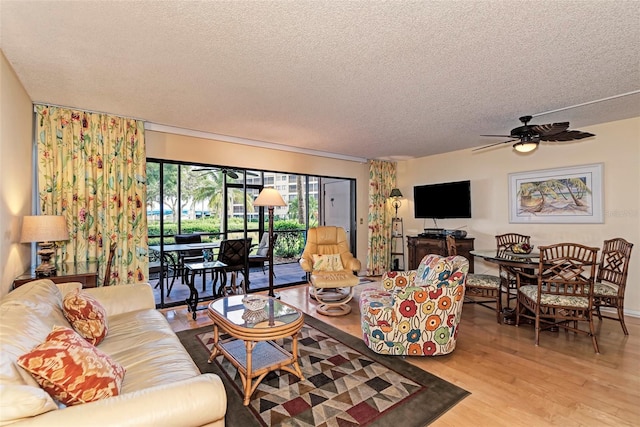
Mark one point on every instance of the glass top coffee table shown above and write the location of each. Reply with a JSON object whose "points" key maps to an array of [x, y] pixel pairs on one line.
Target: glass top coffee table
{"points": [[251, 348]]}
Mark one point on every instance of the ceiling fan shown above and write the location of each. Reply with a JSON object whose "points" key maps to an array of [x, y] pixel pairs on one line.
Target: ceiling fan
{"points": [[528, 136], [231, 173]]}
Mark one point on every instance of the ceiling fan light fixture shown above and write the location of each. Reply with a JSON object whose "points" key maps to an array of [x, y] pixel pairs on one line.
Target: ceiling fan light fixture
{"points": [[525, 146]]}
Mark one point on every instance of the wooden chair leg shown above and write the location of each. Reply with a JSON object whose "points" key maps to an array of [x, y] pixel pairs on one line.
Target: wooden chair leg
{"points": [[621, 318], [593, 336]]}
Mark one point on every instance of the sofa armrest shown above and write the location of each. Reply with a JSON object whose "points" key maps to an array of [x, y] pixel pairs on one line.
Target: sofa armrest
{"points": [[197, 401], [124, 298]]}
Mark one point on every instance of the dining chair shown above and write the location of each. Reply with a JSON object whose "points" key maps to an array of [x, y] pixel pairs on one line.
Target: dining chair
{"points": [[481, 289], [505, 242], [563, 295], [611, 280]]}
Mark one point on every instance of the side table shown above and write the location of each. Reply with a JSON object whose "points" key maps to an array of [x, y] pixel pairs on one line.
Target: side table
{"points": [[83, 272], [216, 268]]}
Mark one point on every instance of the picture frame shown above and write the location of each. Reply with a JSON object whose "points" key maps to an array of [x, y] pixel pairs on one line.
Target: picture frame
{"points": [[569, 195]]}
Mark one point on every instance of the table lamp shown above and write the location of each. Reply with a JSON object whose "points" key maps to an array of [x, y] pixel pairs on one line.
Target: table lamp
{"points": [[270, 197], [44, 229]]}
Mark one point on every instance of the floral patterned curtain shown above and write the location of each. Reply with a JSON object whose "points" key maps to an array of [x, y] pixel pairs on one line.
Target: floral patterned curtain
{"points": [[91, 169], [382, 179]]}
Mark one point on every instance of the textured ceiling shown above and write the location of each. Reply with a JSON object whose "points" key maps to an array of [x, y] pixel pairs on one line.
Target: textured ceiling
{"points": [[367, 79]]}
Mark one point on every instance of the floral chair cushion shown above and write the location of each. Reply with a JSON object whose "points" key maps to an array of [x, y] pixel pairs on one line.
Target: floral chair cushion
{"points": [[410, 318], [531, 291], [483, 281], [605, 289]]}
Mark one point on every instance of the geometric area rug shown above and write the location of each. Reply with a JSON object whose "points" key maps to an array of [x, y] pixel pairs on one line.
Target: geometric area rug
{"points": [[346, 384]]}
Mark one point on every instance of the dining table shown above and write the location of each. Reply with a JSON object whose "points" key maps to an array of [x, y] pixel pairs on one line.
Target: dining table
{"points": [[182, 247], [168, 250]]}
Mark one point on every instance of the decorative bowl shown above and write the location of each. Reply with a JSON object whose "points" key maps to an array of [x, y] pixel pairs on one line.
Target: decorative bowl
{"points": [[251, 316], [254, 302], [521, 248]]}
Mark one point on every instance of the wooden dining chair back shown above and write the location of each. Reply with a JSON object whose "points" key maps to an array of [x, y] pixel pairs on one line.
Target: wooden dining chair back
{"points": [[505, 242], [481, 289], [563, 295], [611, 280], [107, 270]]}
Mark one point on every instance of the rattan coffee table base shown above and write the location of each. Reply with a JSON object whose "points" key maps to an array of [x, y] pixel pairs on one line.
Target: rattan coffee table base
{"points": [[252, 349]]}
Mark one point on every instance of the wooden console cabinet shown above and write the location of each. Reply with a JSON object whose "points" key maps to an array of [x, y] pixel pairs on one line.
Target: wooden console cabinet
{"points": [[419, 246], [83, 272]]}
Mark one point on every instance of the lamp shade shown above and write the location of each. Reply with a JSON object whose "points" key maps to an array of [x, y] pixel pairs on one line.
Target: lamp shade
{"points": [[395, 193], [525, 147], [269, 197], [44, 228]]}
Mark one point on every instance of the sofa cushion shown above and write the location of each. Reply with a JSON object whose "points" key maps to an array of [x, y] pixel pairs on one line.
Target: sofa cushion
{"points": [[142, 341], [20, 401], [86, 315], [27, 315], [71, 370], [327, 262]]}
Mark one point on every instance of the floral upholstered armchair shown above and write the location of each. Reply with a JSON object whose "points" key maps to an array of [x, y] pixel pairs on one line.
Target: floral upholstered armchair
{"points": [[416, 312]]}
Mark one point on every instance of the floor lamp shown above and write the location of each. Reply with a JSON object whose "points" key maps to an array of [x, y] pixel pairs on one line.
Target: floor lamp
{"points": [[270, 197]]}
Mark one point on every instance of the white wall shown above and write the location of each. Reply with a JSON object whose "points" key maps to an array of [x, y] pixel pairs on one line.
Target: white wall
{"points": [[16, 117], [617, 145], [191, 149]]}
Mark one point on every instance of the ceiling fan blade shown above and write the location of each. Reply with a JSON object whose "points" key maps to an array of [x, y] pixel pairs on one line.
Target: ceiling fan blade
{"points": [[499, 136], [231, 174], [568, 135], [550, 129], [493, 145]]}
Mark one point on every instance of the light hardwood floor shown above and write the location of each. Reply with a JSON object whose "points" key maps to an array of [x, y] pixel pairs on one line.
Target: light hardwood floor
{"points": [[512, 382]]}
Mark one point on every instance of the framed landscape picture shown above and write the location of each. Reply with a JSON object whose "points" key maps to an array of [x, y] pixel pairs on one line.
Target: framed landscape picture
{"points": [[564, 195]]}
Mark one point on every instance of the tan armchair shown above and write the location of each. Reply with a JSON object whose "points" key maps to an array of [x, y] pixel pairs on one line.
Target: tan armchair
{"points": [[331, 265]]}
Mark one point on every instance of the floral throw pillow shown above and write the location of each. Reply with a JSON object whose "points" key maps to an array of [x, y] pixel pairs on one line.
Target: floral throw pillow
{"points": [[87, 316], [71, 370], [327, 262]]}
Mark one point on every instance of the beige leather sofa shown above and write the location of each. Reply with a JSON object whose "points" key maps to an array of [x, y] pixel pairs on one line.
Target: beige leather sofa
{"points": [[162, 386]]}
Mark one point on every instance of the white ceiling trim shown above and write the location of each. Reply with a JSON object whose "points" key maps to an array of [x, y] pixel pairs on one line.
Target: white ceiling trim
{"points": [[608, 98], [250, 142]]}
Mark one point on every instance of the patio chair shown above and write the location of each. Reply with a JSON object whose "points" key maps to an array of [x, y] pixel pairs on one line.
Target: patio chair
{"points": [[262, 252], [234, 253]]}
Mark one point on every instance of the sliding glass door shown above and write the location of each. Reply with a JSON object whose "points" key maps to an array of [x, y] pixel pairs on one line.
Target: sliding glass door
{"points": [[216, 203]]}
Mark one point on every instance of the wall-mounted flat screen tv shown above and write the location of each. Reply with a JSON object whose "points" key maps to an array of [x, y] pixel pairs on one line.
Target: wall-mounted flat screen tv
{"points": [[445, 200]]}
